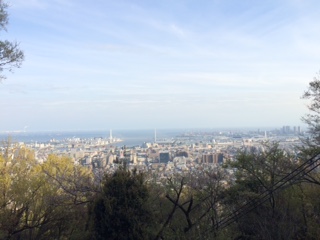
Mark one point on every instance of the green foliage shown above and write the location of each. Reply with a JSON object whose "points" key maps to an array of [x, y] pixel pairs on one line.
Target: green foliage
{"points": [[122, 210], [188, 205], [41, 201], [283, 214], [61, 200], [260, 170], [10, 54]]}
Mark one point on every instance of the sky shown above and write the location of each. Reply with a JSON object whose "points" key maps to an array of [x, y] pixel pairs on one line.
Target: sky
{"points": [[140, 64]]}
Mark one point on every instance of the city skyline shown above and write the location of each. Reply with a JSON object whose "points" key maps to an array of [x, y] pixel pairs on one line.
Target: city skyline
{"points": [[142, 65]]}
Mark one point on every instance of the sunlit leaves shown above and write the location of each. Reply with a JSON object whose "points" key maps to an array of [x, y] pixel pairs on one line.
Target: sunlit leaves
{"points": [[41, 200]]}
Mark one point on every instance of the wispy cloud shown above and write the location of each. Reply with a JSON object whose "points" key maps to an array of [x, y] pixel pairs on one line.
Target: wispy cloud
{"points": [[217, 59]]}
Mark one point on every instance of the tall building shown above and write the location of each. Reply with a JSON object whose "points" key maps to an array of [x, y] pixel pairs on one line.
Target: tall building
{"points": [[287, 129], [164, 157], [207, 158], [219, 158]]}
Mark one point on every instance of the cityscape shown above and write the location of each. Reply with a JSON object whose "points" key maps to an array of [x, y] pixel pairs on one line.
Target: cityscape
{"points": [[188, 151], [159, 120]]}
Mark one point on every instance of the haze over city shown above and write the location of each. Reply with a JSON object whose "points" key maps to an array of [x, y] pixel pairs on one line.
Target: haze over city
{"points": [[159, 64]]}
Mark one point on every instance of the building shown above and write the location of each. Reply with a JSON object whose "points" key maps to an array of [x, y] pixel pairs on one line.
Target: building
{"points": [[164, 157]]}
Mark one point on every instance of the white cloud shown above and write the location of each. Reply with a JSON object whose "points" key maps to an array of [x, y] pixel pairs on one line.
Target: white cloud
{"points": [[200, 64]]}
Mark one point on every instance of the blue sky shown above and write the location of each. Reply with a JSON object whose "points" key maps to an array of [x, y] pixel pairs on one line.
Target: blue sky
{"points": [[160, 64]]}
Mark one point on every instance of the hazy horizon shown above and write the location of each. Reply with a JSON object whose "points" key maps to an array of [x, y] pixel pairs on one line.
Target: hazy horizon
{"points": [[181, 129], [164, 64]]}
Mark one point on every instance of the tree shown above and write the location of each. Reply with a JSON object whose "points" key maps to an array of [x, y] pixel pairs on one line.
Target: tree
{"points": [[10, 55], [313, 118], [121, 210], [190, 203], [265, 203], [42, 201]]}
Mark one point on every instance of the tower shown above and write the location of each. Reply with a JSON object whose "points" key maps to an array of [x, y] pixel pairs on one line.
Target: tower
{"points": [[110, 137], [155, 135]]}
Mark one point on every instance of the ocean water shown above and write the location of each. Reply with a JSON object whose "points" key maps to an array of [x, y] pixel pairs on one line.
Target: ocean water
{"points": [[130, 137]]}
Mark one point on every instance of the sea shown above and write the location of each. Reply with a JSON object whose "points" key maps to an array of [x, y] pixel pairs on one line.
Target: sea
{"points": [[130, 138]]}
